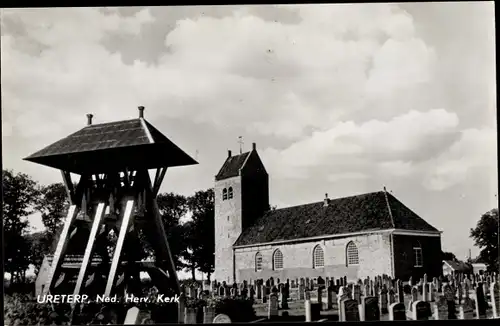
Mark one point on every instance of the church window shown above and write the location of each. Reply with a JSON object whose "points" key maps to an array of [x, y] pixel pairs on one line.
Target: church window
{"points": [[318, 257], [258, 262], [230, 193], [417, 249], [352, 254], [277, 260], [224, 194]]}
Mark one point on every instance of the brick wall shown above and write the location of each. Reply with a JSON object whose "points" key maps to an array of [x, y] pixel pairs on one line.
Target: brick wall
{"points": [[228, 226], [405, 257], [373, 250], [250, 201]]}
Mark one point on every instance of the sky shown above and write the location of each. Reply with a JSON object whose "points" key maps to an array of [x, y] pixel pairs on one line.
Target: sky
{"points": [[340, 99]]}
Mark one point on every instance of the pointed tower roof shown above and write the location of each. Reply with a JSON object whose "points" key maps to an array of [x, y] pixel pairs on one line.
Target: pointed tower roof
{"points": [[112, 146]]}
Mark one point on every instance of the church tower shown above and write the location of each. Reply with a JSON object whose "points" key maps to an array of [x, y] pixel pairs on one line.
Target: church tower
{"points": [[241, 196]]}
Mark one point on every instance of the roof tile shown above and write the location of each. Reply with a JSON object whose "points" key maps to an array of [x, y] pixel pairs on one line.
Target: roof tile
{"points": [[363, 212], [232, 166]]}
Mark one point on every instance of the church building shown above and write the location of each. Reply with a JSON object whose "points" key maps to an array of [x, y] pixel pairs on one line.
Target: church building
{"points": [[357, 236]]}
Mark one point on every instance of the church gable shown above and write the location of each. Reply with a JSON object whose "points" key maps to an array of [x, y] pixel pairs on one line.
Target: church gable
{"points": [[253, 165], [366, 212], [405, 219]]}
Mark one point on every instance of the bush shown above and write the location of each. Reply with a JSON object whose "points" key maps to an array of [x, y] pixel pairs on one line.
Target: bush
{"points": [[189, 282], [238, 309]]}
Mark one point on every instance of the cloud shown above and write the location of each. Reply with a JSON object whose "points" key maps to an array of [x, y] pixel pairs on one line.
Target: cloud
{"points": [[369, 145], [299, 76], [476, 149], [347, 176]]}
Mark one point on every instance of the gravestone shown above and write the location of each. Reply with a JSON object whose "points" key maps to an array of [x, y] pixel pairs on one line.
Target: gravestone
{"points": [[481, 305], [432, 292], [421, 310], [315, 311], [350, 310], [208, 315], [272, 311], [466, 310], [342, 297], [495, 299], [366, 290], [189, 316], [391, 298], [180, 308], [285, 295], [356, 293], [425, 290], [132, 316], [302, 291], [221, 319], [371, 310], [329, 298], [383, 300], [449, 295], [320, 296], [441, 308], [397, 311], [460, 291], [414, 297], [307, 308], [485, 291], [400, 298]]}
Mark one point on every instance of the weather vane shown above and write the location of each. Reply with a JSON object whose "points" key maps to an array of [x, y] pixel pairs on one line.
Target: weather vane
{"points": [[240, 141]]}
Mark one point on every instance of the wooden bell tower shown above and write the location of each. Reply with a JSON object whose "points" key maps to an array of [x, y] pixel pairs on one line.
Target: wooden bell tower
{"points": [[115, 196]]}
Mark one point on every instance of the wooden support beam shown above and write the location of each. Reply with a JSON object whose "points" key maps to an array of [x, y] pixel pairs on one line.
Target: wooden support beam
{"points": [[61, 248], [161, 235], [80, 188], [160, 175], [90, 248], [68, 184], [126, 217], [126, 178]]}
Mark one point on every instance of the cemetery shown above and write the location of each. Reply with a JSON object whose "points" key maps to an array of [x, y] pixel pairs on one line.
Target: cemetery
{"points": [[329, 299]]}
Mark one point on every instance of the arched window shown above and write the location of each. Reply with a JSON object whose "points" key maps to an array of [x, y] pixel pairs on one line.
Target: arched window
{"points": [[258, 262], [417, 251], [224, 194], [318, 257], [352, 254], [230, 193], [277, 260]]}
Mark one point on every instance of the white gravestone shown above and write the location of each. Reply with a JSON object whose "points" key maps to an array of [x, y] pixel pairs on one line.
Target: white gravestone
{"points": [[221, 319]]}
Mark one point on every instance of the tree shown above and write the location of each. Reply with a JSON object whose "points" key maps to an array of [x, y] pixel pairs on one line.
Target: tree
{"points": [[53, 204], [200, 233], [40, 245], [448, 256], [172, 207], [20, 195], [485, 236]]}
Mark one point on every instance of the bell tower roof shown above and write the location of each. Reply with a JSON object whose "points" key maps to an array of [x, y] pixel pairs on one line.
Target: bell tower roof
{"points": [[98, 148]]}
